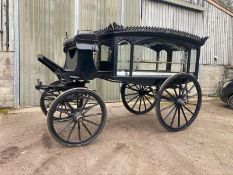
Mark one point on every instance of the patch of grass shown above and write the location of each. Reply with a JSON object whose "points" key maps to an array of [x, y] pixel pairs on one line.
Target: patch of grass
{"points": [[4, 111]]}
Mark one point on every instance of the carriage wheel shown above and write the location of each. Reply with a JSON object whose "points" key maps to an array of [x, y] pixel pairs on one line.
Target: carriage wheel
{"points": [[178, 102], [47, 97], [76, 117], [137, 99]]}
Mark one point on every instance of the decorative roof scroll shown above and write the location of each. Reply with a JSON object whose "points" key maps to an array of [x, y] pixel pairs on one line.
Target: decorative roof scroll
{"points": [[114, 27]]}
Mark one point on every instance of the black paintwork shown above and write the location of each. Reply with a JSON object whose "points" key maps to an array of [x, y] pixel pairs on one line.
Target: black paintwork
{"points": [[82, 56], [227, 92]]}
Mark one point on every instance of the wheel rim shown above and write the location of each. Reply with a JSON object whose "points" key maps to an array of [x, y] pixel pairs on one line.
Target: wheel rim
{"points": [[179, 103], [138, 99], [47, 98], [76, 118], [230, 103]]}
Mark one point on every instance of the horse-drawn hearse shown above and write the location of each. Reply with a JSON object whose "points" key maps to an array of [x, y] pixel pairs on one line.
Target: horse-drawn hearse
{"points": [[157, 68]]}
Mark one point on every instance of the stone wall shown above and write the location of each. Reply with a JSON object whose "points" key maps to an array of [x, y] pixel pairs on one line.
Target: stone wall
{"points": [[6, 79]]}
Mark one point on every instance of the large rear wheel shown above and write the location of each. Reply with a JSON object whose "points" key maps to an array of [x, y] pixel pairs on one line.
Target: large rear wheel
{"points": [[178, 102]]}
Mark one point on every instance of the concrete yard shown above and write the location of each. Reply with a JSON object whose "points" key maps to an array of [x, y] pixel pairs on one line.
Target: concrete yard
{"points": [[129, 144]]}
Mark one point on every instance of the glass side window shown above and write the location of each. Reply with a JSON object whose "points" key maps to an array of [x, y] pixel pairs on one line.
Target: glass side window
{"points": [[105, 53], [123, 58], [158, 56], [162, 61], [179, 61], [71, 59], [193, 60]]}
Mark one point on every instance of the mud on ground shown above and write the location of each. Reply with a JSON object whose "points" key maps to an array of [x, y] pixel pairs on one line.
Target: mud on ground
{"points": [[129, 144]]}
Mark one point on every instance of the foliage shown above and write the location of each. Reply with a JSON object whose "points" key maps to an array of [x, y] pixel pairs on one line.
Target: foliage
{"points": [[227, 3]]}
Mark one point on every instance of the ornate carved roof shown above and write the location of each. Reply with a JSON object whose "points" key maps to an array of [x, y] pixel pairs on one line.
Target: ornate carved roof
{"points": [[114, 27]]}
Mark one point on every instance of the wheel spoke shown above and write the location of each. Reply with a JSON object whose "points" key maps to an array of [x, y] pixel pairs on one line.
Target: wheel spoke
{"points": [[68, 105], [135, 102], [175, 92], [185, 88], [184, 114], [87, 109], [131, 88], [87, 129], [191, 104], [173, 118], [79, 132], [131, 94], [169, 113], [56, 120], [192, 96], [140, 104], [85, 103], [148, 100], [62, 110], [71, 131], [166, 107], [167, 98], [91, 122], [138, 87], [144, 102], [188, 109], [188, 91], [66, 126], [169, 94], [133, 98], [178, 117], [91, 115], [77, 101]]}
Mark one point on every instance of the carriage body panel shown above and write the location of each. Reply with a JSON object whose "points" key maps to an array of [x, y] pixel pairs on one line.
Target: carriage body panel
{"points": [[118, 53]]}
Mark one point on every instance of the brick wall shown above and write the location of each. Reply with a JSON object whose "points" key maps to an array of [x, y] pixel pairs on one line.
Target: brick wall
{"points": [[6, 79]]}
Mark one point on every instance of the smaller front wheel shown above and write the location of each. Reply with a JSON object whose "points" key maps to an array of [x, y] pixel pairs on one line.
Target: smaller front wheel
{"points": [[138, 99], [178, 102], [76, 117], [47, 97]]}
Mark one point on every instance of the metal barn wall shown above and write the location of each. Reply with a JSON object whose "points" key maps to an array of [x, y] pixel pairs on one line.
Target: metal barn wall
{"points": [[212, 22], [6, 25], [97, 14], [42, 30], [6, 53], [195, 2], [218, 26]]}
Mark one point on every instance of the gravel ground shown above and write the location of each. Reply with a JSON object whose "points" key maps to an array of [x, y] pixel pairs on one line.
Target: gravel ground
{"points": [[129, 144]]}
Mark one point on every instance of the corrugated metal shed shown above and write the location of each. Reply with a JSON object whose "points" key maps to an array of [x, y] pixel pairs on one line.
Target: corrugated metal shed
{"points": [[218, 26], [212, 22], [6, 25], [42, 30], [43, 25]]}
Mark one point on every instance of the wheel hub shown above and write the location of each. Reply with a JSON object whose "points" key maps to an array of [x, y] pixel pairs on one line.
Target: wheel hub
{"points": [[142, 93], [180, 102], [77, 116]]}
